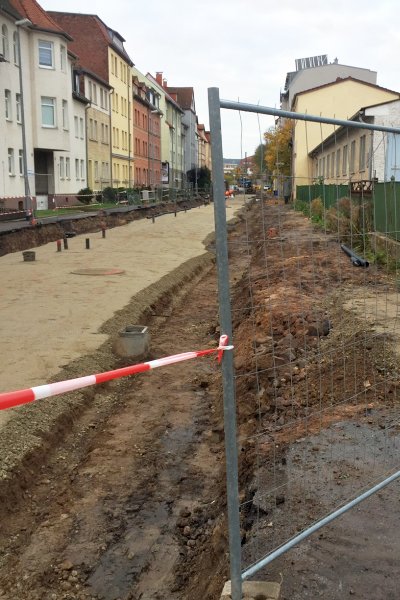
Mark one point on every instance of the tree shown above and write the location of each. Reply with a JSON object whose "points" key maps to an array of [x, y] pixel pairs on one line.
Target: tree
{"points": [[259, 162], [278, 153], [203, 175]]}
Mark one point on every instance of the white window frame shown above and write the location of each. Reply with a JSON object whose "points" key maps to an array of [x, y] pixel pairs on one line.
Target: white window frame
{"points": [[76, 126], [5, 42], [15, 48], [96, 170], [8, 105], [21, 162], [45, 104], [65, 115], [63, 58], [67, 167], [82, 169], [48, 47], [62, 167], [18, 107], [11, 163], [77, 168], [81, 129], [362, 161]]}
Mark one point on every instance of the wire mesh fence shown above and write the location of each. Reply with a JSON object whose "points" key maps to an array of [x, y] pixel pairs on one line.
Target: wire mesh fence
{"points": [[316, 334]]}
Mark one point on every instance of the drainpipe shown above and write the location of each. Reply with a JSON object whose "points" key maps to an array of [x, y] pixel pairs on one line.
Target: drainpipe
{"points": [[129, 133], [110, 93]]}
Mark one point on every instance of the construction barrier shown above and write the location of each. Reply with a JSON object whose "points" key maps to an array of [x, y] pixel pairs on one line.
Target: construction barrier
{"points": [[11, 399]]}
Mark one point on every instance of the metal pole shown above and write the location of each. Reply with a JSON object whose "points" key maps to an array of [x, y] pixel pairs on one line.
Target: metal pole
{"points": [[28, 200], [221, 241], [305, 534], [276, 112]]}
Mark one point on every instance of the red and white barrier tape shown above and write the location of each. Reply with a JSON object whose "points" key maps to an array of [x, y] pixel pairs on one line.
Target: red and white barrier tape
{"points": [[10, 399]]}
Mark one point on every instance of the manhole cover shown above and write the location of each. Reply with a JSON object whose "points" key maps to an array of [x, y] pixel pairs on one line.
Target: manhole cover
{"points": [[98, 272]]}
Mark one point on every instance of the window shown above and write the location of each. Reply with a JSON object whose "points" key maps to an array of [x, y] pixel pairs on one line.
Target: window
{"points": [[76, 126], [338, 163], [90, 128], [362, 153], [46, 54], [62, 167], [68, 167], [95, 130], [15, 48], [7, 99], [81, 128], [82, 164], [323, 167], [63, 58], [328, 165], [65, 114], [4, 42], [116, 102], [352, 156], [344, 166], [48, 111], [333, 165], [77, 168], [10, 153], [18, 107], [21, 162], [96, 170]]}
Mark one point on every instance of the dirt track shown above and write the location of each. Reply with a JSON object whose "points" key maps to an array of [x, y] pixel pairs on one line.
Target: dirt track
{"points": [[129, 502]]}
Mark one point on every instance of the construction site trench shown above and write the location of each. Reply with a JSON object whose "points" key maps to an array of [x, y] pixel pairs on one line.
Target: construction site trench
{"points": [[117, 492]]}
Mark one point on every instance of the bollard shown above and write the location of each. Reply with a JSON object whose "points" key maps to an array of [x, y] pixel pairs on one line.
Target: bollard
{"points": [[175, 213], [65, 240], [153, 218], [87, 244], [58, 245], [103, 232]]}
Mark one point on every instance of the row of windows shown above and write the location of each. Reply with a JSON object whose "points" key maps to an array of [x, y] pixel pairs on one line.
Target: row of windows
{"points": [[122, 70], [118, 172], [99, 170], [93, 131], [45, 51], [140, 119], [341, 162], [120, 102], [124, 138], [5, 45], [64, 165], [11, 162], [103, 95], [9, 106]]}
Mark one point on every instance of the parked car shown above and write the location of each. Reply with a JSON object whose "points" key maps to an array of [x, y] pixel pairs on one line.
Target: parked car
{"points": [[267, 188]]}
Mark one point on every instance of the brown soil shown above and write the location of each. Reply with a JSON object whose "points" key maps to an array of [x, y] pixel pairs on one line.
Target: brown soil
{"points": [[126, 499]]}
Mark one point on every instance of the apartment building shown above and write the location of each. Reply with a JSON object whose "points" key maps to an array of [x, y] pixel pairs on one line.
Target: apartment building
{"points": [[101, 51], [37, 75]]}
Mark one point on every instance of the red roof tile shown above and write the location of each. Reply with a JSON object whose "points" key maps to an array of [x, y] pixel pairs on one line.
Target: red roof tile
{"points": [[31, 10]]}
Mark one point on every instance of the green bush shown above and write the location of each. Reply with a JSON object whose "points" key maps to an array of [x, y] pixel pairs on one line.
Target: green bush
{"points": [[110, 194], [85, 195]]}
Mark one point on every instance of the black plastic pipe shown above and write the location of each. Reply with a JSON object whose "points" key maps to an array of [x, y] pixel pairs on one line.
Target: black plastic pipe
{"points": [[355, 259]]}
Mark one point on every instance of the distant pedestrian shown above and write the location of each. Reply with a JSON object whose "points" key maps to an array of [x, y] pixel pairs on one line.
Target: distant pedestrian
{"points": [[287, 189]]}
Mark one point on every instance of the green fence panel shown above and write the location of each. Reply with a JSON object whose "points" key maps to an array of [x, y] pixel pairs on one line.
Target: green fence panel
{"points": [[386, 198], [329, 194]]}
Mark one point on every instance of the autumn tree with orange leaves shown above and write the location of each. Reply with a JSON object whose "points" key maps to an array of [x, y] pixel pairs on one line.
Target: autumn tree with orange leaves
{"points": [[278, 153]]}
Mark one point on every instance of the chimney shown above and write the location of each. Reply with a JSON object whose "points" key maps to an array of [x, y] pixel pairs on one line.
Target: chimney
{"points": [[165, 83], [159, 78]]}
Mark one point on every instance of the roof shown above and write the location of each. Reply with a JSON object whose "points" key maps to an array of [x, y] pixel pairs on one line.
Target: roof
{"points": [[110, 36], [40, 19], [343, 80], [90, 73], [165, 92], [7, 7], [291, 75], [185, 96]]}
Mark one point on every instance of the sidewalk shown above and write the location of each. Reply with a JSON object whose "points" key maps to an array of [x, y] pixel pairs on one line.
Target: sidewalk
{"points": [[51, 316]]}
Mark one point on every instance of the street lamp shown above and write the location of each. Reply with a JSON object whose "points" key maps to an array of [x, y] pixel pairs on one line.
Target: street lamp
{"points": [[28, 201]]}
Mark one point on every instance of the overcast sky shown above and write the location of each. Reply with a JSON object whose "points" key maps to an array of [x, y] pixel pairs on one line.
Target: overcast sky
{"points": [[246, 47]]}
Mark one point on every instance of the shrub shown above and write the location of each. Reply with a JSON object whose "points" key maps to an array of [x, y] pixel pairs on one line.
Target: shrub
{"points": [[317, 208], [110, 194], [85, 195]]}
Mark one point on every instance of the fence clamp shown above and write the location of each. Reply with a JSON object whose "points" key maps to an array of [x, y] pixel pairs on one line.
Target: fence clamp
{"points": [[223, 345]]}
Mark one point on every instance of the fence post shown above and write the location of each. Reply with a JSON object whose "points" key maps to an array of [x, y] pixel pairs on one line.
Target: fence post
{"points": [[221, 240]]}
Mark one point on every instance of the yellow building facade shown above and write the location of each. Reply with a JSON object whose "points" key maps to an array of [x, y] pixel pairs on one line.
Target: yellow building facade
{"points": [[341, 100], [121, 119]]}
